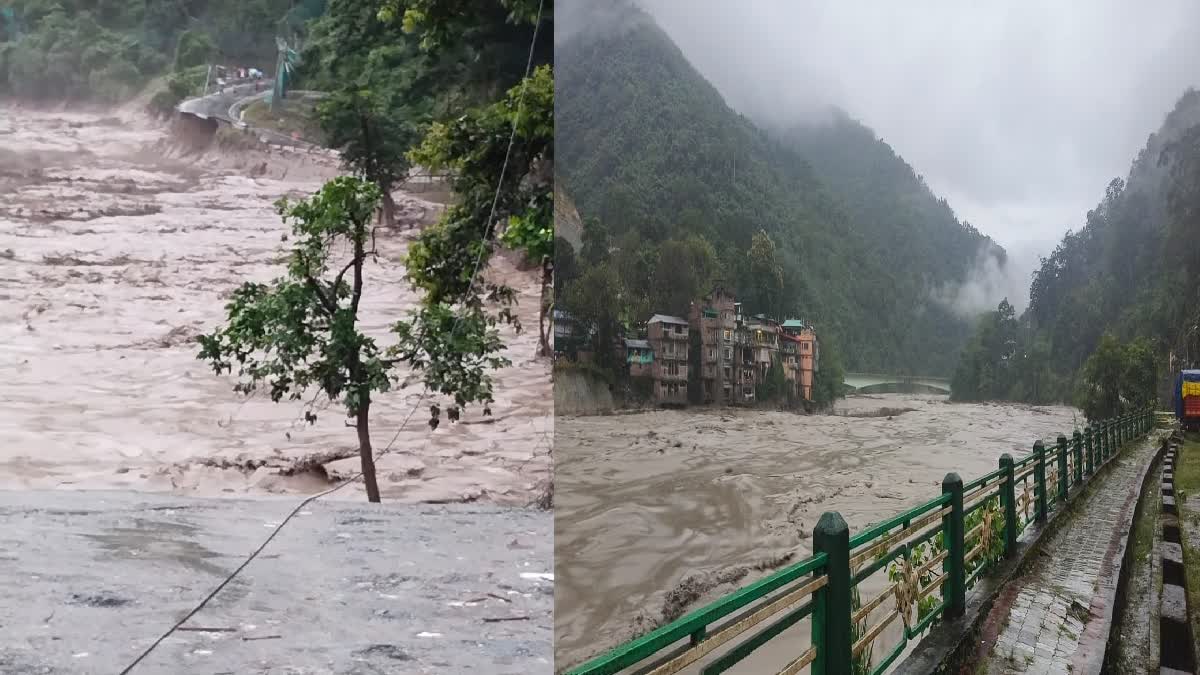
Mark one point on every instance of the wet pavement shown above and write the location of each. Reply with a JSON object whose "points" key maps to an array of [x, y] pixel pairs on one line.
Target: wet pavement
{"points": [[1058, 622], [217, 104], [91, 578]]}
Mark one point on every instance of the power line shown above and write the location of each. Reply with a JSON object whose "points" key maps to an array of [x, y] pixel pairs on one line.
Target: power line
{"points": [[458, 320]]}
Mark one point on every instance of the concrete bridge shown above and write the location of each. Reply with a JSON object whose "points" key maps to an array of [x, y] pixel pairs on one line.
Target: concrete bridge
{"points": [[861, 382]]}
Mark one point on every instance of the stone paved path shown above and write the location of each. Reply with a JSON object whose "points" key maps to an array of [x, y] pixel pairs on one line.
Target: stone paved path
{"points": [[1055, 622]]}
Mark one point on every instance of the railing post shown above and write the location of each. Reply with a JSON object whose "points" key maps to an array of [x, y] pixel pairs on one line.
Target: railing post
{"points": [[1090, 450], [954, 590], [1106, 438], [1008, 501], [1039, 480], [831, 616], [1077, 448], [1113, 446], [1063, 479]]}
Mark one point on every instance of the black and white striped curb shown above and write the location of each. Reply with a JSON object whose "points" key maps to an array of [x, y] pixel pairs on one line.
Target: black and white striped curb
{"points": [[1175, 636]]}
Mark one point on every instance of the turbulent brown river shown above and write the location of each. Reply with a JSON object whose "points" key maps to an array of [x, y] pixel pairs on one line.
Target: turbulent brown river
{"points": [[645, 500], [116, 249]]}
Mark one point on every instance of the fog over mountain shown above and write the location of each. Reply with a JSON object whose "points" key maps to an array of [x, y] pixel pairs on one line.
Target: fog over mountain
{"points": [[1017, 113]]}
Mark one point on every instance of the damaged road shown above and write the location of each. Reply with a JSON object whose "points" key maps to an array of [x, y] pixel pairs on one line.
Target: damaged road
{"points": [[92, 578]]}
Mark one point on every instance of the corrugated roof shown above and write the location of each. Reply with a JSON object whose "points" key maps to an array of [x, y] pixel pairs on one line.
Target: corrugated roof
{"points": [[665, 318], [794, 323], [637, 344]]}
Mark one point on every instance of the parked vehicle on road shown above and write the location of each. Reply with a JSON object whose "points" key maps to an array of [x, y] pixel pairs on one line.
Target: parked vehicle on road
{"points": [[1187, 399]]}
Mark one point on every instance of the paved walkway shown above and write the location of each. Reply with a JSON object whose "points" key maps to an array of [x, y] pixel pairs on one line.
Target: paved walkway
{"points": [[90, 578], [1057, 621]]}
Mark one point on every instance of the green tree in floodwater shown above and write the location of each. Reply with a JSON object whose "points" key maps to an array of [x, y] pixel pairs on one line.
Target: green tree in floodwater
{"points": [[298, 335]]}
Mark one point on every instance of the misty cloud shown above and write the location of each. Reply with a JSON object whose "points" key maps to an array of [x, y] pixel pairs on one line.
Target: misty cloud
{"points": [[1019, 113], [988, 282]]}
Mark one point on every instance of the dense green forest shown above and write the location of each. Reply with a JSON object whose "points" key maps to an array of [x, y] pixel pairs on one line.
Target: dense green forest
{"points": [[1116, 295], [107, 50], [678, 191]]}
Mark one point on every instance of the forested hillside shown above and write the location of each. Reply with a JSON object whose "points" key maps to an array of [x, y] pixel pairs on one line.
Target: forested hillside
{"points": [[108, 49], [901, 222], [1130, 271], [673, 186]]}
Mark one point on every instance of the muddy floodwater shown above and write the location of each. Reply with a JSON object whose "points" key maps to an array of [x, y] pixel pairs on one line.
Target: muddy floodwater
{"points": [[117, 249], [645, 500]]}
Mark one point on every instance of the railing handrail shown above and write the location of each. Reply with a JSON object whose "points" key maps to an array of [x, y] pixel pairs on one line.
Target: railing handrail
{"points": [[698, 620], [1067, 458]]}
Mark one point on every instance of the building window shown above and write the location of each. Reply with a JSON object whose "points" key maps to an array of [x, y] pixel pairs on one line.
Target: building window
{"points": [[728, 335], [728, 372], [729, 353], [803, 346]]}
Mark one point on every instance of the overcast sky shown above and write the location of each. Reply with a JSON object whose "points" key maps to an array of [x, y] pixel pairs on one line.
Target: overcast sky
{"points": [[1019, 113]]}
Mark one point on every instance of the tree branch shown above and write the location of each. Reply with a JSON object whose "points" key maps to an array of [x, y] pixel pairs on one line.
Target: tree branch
{"points": [[337, 282], [330, 306]]}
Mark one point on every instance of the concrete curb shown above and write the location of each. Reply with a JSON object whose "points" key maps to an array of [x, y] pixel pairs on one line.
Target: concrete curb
{"points": [[963, 642], [1118, 599], [1175, 631], [1115, 583]]}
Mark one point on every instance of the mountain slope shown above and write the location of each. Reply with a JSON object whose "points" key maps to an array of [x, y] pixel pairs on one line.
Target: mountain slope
{"points": [[1131, 269], [899, 219], [647, 146]]}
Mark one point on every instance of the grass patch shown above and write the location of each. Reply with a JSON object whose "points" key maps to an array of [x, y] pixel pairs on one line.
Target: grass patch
{"points": [[1142, 538], [296, 117], [1187, 493]]}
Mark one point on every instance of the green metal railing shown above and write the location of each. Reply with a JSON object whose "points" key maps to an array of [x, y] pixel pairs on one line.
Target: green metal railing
{"points": [[946, 544]]}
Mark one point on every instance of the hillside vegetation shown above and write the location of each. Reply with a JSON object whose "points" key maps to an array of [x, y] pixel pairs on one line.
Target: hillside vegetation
{"points": [[677, 191], [107, 50], [1121, 290]]}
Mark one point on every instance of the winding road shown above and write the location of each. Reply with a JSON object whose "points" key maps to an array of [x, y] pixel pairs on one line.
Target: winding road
{"points": [[216, 105]]}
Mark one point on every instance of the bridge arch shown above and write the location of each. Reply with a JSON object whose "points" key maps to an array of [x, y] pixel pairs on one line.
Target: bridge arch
{"points": [[875, 382]]}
